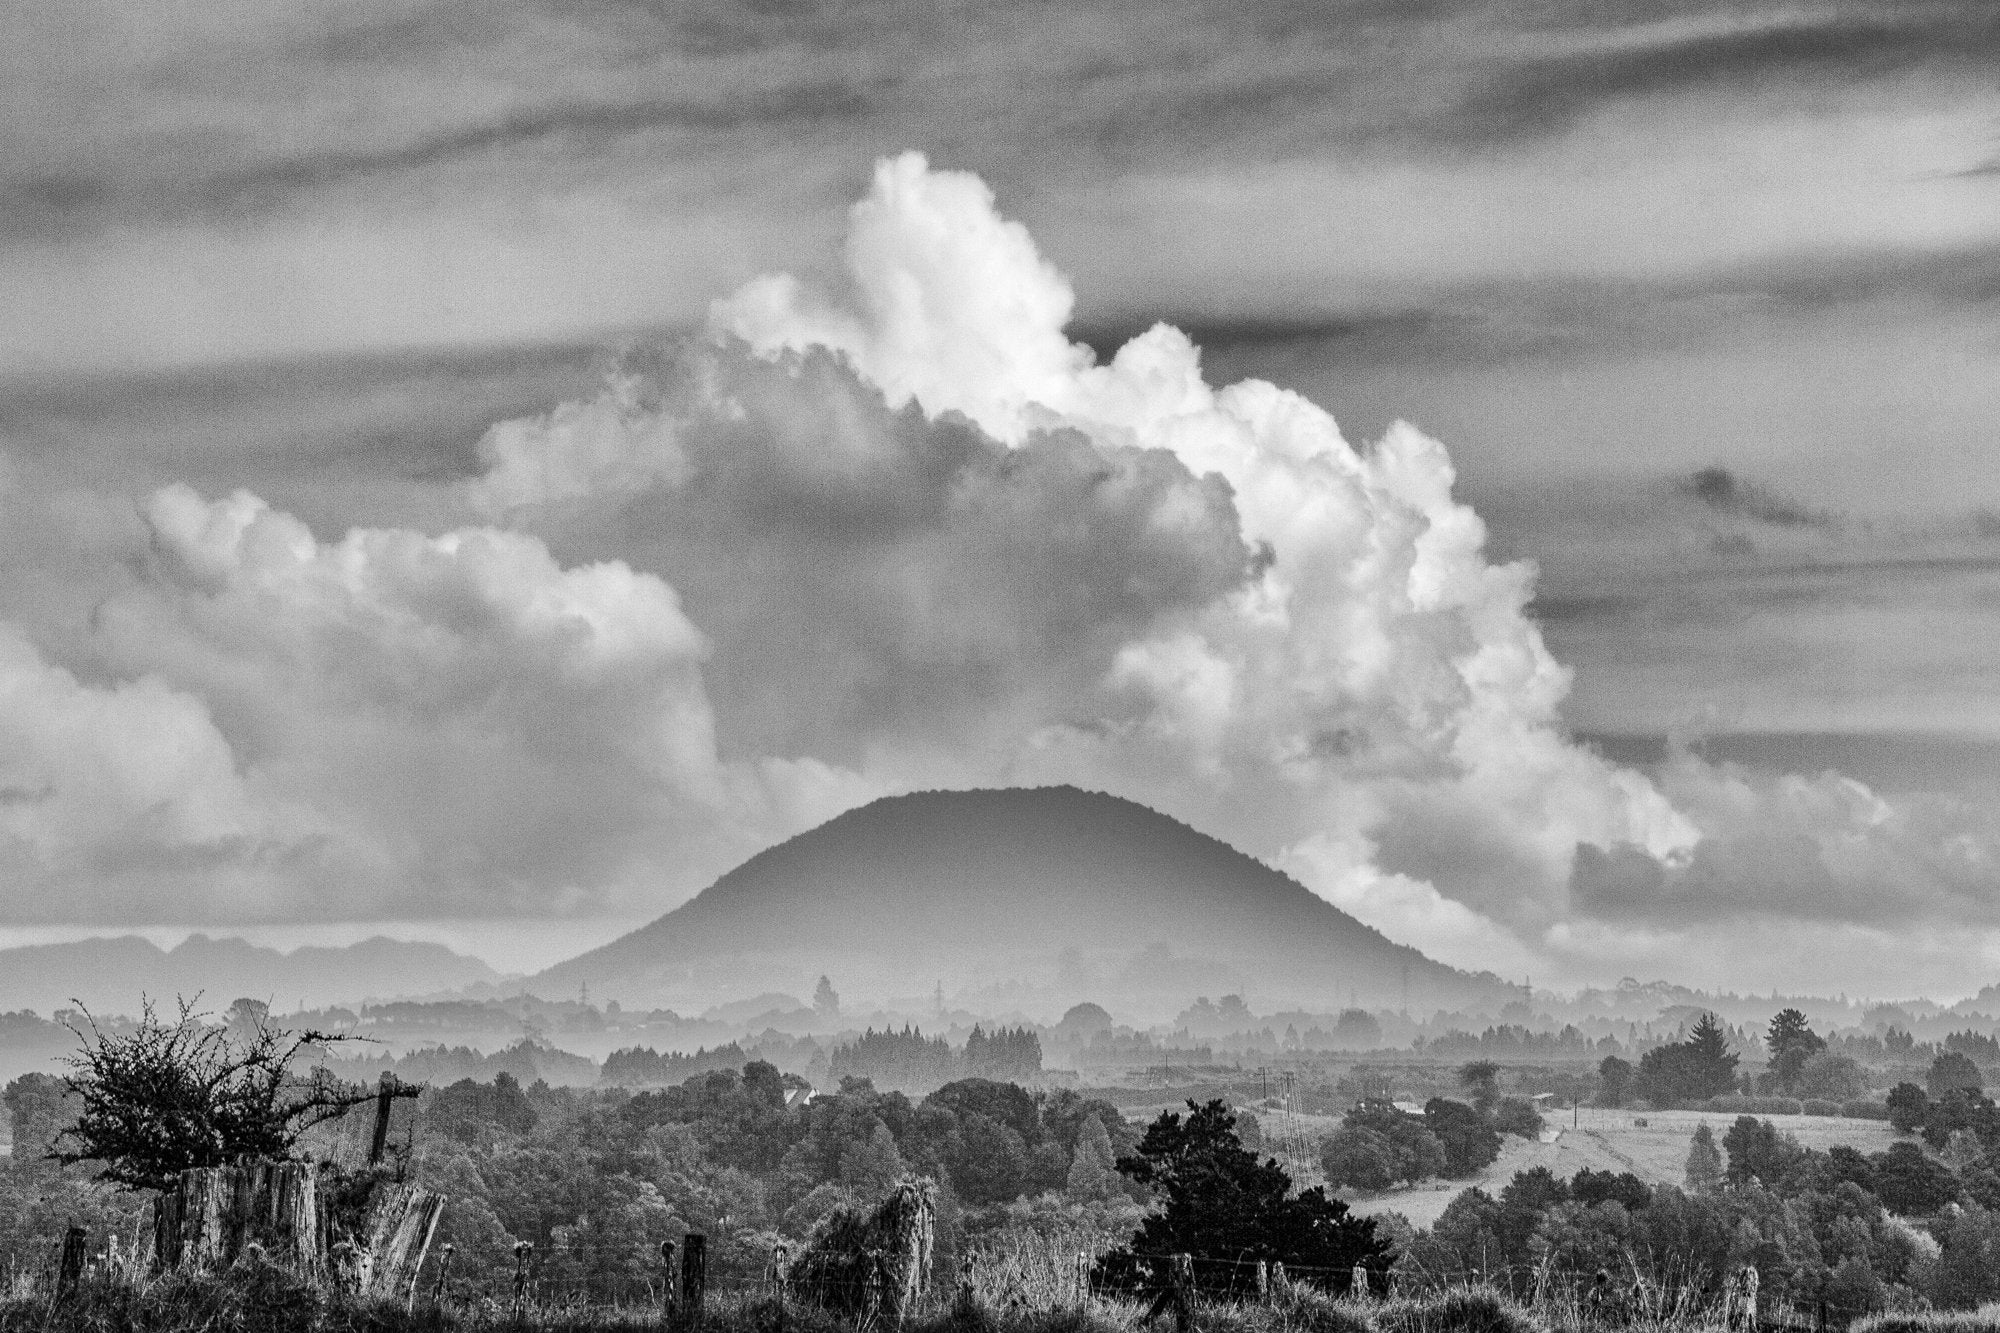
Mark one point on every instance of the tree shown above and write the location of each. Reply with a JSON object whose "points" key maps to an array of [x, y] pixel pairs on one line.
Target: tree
{"points": [[1517, 1115], [1711, 1063], [991, 1163], [480, 1113], [1908, 1104], [1791, 1043], [1910, 1183], [1789, 1028], [1833, 1077], [1699, 1067], [1590, 1188], [1968, 1267], [1470, 1143], [41, 1108], [826, 1000], [1614, 1080], [170, 1096], [1952, 1069], [1482, 1079], [1704, 1161], [1757, 1152], [1356, 1158], [1215, 1201], [1377, 1145], [872, 1165], [1093, 1167]]}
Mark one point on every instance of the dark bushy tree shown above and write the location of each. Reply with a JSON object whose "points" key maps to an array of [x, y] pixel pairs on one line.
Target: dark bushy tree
{"points": [[168, 1096], [1699, 1067], [1757, 1152], [1791, 1043], [1377, 1145], [1952, 1069], [1961, 1109], [1614, 1080], [1481, 1078], [1218, 1203], [1590, 1187], [1704, 1161], [1908, 1105], [1518, 1116], [41, 1107], [480, 1113], [1910, 1183], [1469, 1140]]}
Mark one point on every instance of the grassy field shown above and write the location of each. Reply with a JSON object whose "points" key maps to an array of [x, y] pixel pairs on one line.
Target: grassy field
{"points": [[1607, 1140]]}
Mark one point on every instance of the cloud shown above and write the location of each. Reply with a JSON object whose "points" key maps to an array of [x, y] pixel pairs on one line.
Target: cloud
{"points": [[869, 576], [1822, 848], [426, 726], [1271, 632], [897, 533], [1721, 490], [61, 203], [121, 802], [1367, 698], [1549, 92]]}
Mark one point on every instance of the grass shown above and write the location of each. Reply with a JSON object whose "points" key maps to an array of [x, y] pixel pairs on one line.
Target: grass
{"points": [[1986, 1319], [266, 1299], [1613, 1140]]}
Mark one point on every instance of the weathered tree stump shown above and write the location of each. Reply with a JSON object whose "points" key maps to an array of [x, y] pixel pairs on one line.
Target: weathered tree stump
{"points": [[287, 1209], [402, 1219], [212, 1212]]}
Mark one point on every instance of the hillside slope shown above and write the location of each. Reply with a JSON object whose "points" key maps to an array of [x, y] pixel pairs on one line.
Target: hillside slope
{"points": [[110, 975], [1050, 888]]}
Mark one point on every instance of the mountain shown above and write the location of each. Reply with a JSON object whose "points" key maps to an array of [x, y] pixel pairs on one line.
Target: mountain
{"points": [[110, 974], [1048, 893]]}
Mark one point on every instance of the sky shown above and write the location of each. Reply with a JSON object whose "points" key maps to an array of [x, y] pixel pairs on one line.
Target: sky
{"points": [[480, 470]]}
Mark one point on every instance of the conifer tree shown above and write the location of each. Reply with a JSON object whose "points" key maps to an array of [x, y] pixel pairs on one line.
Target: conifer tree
{"points": [[1704, 1162], [1093, 1173]]}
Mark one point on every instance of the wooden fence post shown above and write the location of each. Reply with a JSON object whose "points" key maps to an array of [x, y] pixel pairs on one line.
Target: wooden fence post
{"points": [[1181, 1275], [1263, 1280], [70, 1273], [385, 1097], [1278, 1279], [694, 1275], [668, 1278], [779, 1275]]}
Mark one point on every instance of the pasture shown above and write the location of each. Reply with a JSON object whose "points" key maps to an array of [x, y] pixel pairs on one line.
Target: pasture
{"points": [[1614, 1140]]}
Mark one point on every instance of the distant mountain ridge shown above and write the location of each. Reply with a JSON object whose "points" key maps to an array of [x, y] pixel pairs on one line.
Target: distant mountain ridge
{"points": [[110, 974], [997, 885]]}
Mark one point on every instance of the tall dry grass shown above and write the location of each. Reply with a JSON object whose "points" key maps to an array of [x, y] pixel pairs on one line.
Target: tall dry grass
{"points": [[1019, 1287]]}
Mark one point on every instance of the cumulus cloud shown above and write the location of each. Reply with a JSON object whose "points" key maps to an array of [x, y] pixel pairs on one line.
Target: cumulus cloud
{"points": [[119, 784], [387, 725], [871, 578], [1038, 567], [1822, 848], [903, 533]]}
